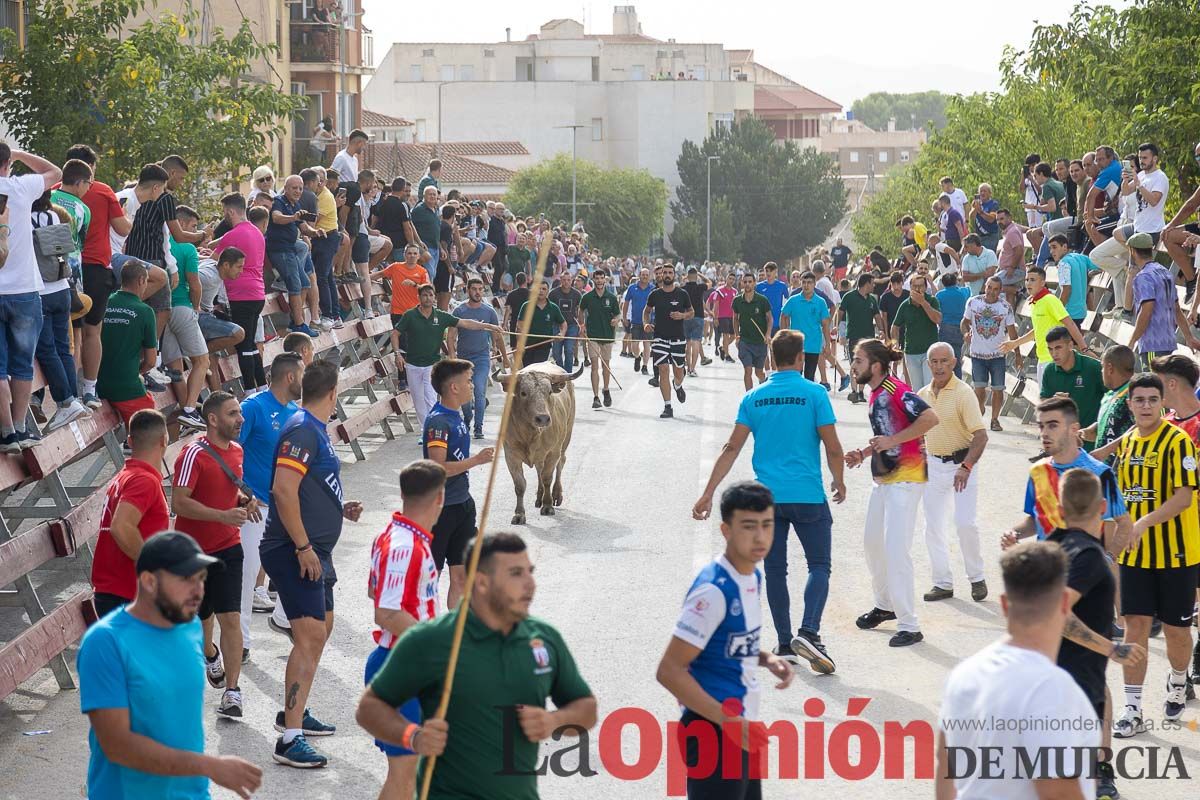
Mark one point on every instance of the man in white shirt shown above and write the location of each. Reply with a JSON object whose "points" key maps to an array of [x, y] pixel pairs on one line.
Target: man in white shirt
{"points": [[1012, 699], [345, 163], [958, 198], [1146, 192], [20, 293]]}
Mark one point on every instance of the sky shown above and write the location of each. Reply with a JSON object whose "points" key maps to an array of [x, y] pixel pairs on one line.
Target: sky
{"points": [[841, 50]]}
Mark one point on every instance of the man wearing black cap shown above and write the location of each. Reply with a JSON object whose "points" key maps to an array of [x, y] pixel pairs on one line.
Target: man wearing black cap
{"points": [[134, 658]]}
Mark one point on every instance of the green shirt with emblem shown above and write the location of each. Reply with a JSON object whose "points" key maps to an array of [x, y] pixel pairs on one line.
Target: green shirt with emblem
{"points": [[860, 313], [495, 672], [752, 317], [917, 329], [600, 310], [81, 219], [1084, 383], [547, 323], [128, 329], [424, 335]]}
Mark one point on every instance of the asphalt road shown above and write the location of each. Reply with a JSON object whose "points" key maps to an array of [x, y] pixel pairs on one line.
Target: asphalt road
{"points": [[613, 566]]}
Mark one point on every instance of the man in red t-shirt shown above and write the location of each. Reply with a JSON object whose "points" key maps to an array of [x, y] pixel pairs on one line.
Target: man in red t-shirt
{"points": [[211, 508], [98, 279], [134, 510]]}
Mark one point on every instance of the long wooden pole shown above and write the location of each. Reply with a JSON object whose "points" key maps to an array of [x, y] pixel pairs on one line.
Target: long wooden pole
{"points": [[473, 563]]}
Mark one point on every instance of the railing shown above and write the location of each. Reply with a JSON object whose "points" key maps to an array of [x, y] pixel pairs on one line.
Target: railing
{"points": [[315, 42]]}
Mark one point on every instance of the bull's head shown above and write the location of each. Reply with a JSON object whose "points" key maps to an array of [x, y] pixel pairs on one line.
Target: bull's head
{"points": [[531, 395]]}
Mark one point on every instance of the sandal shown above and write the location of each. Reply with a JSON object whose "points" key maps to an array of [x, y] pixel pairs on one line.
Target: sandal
{"points": [[996, 425]]}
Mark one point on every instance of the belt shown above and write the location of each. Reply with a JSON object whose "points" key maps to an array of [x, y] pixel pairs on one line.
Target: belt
{"points": [[957, 457]]}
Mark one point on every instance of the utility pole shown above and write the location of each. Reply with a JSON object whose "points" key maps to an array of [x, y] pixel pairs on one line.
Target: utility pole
{"points": [[708, 213], [574, 130]]}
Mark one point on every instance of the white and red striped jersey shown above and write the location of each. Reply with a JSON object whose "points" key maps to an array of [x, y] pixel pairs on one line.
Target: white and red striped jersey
{"points": [[403, 575]]}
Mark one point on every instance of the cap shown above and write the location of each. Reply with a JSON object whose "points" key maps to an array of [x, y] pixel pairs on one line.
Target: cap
{"points": [[175, 552], [1140, 241]]}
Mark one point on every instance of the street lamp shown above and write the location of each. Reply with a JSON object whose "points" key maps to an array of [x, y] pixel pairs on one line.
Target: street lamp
{"points": [[708, 213], [573, 128]]}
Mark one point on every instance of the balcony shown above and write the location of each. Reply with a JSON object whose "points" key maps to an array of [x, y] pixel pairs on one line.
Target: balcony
{"points": [[315, 42]]}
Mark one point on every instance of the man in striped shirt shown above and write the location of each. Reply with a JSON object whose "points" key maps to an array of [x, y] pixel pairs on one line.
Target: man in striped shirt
{"points": [[403, 583]]}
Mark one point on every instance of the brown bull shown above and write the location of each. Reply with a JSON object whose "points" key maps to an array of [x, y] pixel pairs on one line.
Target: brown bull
{"points": [[539, 432]]}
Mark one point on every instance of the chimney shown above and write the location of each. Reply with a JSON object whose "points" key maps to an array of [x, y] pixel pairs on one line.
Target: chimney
{"points": [[892, 125], [508, 34], [625, 21]]}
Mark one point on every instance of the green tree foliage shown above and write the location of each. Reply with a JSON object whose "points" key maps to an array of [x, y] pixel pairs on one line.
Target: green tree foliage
{"points": [[783, 200], [688, 236], [986, 140], [925, 108], [627, 205], [1138, 66], [140, 96]]}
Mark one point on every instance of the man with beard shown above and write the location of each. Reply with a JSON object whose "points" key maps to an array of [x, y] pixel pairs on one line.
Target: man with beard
{"points": [[134, 658], [668, 306], [487, 745]]}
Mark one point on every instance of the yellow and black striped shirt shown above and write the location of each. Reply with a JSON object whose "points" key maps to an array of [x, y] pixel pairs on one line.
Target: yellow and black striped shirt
{"points": [[1149, 471]]}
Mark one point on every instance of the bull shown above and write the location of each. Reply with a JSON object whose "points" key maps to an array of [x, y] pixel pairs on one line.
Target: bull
{"points": [[539, 431]]}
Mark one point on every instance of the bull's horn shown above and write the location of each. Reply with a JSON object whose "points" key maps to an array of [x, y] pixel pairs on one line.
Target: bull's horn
{"points": [[564, 377], [503, 378]]}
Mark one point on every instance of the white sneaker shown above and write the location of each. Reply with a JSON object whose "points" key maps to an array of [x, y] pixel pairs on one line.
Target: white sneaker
{"points": [[231, 704], [338, 324], [262, 603], [1130, 724], [66, 414], [158, 375]]}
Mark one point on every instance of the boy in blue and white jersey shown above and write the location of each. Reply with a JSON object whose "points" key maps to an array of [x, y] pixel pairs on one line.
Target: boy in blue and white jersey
{"points": [[711, 661]]}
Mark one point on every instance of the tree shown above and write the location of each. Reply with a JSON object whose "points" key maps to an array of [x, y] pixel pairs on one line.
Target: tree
{"points": [[140, 96], [986, 139], [915, 108], [783, 200], [626, 205], [688, 235]]}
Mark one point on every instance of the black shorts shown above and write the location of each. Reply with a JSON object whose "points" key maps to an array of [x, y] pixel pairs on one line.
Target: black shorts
{"points": [[725, 325], [811, 362], [455, 527], [98, 283], [300, 597], [223, 586], [714, 786], [360, 250], [668, 351], [442, 281], [638, 332], [105, 602], [1168, 593]]}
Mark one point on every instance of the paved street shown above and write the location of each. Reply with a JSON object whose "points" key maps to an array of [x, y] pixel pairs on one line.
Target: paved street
{"points": [[613, 566]]}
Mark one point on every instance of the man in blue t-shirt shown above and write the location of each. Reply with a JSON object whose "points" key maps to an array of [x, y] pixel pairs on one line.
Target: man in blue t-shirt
{"points": [[304, 524], [808, 312], [775, 290], [141, 679], [446, 440], [711, 663], [263, 416], [1073, 272], [790, 417], [476, 346], [632, 307]]}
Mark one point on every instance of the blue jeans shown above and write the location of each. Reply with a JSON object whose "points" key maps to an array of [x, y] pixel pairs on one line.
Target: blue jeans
{"points": [[952, 335], [323, 253], [564, 350], [20, 327], [289, 268], [54, 346], [431, 269], [483, 366], [814, 527]]}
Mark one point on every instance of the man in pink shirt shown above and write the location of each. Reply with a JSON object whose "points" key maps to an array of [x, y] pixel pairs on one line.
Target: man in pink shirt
{"points": [[1011, 256], [720, 302], [247, 294]]}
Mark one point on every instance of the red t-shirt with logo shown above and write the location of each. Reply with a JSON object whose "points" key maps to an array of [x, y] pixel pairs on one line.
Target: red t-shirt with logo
{"points": [[140, 485], [104, 205], [196, 470]]}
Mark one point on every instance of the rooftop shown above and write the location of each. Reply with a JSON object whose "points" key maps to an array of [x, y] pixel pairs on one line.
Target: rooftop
{"points": [[791, 98], [411, 160], [373, 119]]}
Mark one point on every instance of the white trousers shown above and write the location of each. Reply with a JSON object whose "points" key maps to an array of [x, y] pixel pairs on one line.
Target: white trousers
{"points": [[939, 496], [1112, 257], [887, 541], [252, 534], [420, 386]]}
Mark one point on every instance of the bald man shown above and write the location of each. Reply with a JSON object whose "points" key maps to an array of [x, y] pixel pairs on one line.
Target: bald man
{"points": [[954, 447]]}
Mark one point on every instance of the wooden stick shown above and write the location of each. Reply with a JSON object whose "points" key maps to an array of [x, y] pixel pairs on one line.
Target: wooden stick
{"points": [[473, 563]]}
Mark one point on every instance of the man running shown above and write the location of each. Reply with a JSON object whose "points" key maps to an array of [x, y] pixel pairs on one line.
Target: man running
{"points": [[899, 418], [693, 329], [600, 312], [713, 658], [720, 305], [547, 326], [631, 309], [987, 322], [775, 290], [669, 307], [476, 346], [753, 325], [860, 311], [807, 313]]}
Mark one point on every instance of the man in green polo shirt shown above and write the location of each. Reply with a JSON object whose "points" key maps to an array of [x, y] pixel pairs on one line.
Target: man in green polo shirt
{"points": [[508, 665], [600, 310], [860, 311], [752, 322], [547, 325], [1046, 311], [917, 322], [130, 344], [425, 327], [1075, 375]]}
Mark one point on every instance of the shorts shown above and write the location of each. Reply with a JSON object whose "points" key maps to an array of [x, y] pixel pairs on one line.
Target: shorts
{"points": [[693, 329], [183, 338], [638, 333], [20, 328], [725, 325], [1168, 593], [300, 597], [213, 327], [987, 371], [127, 408], [288, 267], [1017, 278], [596, 351], [668, 351], [476, 253], [160, 300], [442, 280], [376, 244], [1144, 360], [104, 602], [753, 355], [411, 710], [454, 528], [715, 786], [839, 273], [1128, 230], [98, 283], [360, 250], [223, 586]]}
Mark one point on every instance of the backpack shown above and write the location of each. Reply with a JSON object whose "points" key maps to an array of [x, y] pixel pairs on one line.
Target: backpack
{"points": [[51, 246]]}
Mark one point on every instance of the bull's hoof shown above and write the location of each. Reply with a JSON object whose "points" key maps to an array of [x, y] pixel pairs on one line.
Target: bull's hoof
{"points": [[547, 511], [558, 497], [518, 519]]}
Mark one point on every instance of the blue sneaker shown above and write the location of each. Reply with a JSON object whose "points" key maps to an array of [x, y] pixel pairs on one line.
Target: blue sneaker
{"points": [[845, 384], [311, 725], [299, 754], [303, 329]]}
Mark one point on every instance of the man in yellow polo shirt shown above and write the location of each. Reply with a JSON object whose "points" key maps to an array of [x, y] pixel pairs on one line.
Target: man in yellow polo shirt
{"points": [[954, 447], [1045, 312]]}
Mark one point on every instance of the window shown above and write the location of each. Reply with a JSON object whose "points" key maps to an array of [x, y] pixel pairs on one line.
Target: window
{"points": [[722, 121], [637, 72], [698, 72], [595, 68], [853, 156], [466, 72], [883, 155], [676, 54], [597, 129], [661, 54], [383, 136], [903, 156], [427, 52], [489, 53], [416, 72], [420, 134], [447, 73]]}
